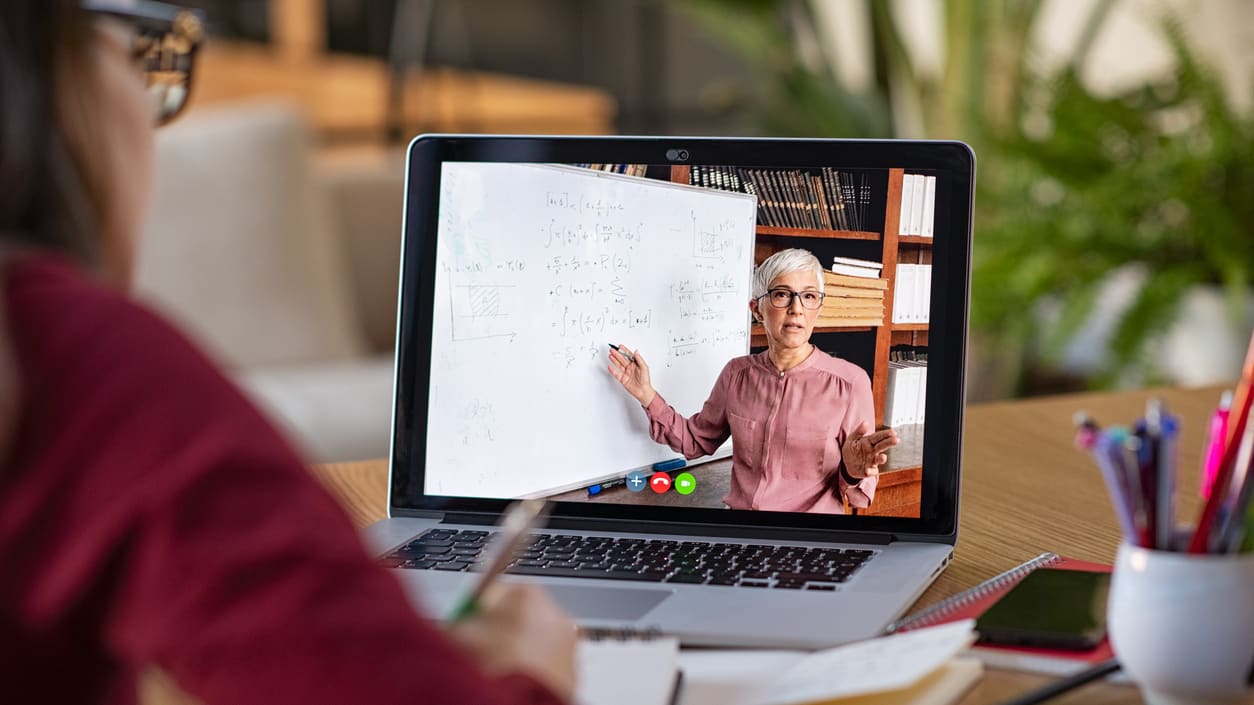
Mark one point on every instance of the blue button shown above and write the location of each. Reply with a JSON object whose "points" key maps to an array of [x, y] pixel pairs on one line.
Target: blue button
{"points": [[637, 480]]}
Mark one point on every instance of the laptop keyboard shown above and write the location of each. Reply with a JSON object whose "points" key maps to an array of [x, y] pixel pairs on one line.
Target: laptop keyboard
{"points": [[646, 560]]}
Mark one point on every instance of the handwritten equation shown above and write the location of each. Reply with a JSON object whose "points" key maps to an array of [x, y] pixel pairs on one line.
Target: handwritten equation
{"points": [[559, 235], [688, 344]]}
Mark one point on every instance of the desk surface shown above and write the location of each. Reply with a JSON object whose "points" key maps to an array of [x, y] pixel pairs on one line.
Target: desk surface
{"points": [[1025, 490]]}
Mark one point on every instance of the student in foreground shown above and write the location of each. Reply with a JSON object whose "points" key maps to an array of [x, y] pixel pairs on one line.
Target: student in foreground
{"points": [[149, 516], [802, 422]]}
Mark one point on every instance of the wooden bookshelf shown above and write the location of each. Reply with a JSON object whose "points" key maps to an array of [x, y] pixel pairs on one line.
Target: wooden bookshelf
{"points": [[911, 239]]}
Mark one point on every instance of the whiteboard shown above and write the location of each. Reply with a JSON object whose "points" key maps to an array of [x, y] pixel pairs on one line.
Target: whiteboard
{"points": [[538, 269]]}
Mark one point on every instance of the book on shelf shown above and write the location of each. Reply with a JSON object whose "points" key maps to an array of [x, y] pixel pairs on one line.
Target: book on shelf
{"points": [[848, 322], [854, 292], [833, 279], [852, 303], [810, 199], [825, 213], [906, 399], [837, 305], [863, 263], [626, 169], [912, 293], [907, 198], [929, 206], [918, 205], [853, 271], [835, 200]]}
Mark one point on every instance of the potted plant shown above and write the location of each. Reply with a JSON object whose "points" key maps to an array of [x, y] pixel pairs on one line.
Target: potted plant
{"points": [[1148, 188]]}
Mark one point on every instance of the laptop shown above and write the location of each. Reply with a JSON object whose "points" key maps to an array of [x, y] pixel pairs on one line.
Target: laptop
{"points": [[524, 258]]}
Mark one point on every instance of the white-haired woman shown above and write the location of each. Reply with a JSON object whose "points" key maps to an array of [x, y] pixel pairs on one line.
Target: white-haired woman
{"points": [[802, 421]]}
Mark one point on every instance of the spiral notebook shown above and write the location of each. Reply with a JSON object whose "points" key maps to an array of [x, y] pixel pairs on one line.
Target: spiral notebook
{"points": [[971, 603], [626, 667]]}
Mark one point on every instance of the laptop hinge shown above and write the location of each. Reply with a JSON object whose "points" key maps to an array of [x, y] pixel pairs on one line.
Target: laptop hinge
{"points": [[698, 530]]}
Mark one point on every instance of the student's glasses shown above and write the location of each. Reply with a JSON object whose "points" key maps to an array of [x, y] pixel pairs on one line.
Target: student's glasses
{"points": [[164, 47], [782, 298]]}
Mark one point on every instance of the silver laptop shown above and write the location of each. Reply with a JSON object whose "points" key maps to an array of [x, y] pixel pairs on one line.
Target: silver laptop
{"points": [[524, 258]]}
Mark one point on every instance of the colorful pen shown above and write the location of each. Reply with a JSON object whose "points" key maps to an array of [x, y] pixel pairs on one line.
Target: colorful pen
{"points": [[1202, 537], [1086, 430], [1123, 451], [1215, 444], [1230, 520], [1160, 430], [1108, 453]]}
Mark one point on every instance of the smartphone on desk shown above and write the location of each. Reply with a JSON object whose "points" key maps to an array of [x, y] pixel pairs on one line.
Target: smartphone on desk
{"points": [[1049, 609]]}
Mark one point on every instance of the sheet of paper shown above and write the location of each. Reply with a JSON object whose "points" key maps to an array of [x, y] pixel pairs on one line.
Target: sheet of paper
{"points": [[731, 676], [873, 666]]}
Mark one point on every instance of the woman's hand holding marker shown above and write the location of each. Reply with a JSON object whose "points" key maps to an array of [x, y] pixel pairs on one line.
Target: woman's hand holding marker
{"points": [[631, 371]]}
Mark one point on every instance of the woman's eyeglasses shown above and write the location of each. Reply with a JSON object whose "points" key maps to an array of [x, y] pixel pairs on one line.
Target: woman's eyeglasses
{"points": [[782, 298], [164, 47]]}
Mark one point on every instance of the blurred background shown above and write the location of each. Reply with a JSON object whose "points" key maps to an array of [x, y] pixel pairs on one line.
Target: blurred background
{"points": [[1114, 235]]}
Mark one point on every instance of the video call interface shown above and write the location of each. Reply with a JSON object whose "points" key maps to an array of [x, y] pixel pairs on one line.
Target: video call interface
{"points": [[542, 268]]}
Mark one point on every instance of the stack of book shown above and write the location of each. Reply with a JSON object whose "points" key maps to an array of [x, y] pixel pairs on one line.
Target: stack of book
{"points": [[855, 294]]}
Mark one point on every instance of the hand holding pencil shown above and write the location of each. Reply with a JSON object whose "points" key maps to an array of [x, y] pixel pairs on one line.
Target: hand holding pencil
{"points": [[513, 628], [519, 629]]}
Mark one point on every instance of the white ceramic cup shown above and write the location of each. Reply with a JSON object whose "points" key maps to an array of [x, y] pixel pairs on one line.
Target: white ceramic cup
{"points": [[1183, 625]]}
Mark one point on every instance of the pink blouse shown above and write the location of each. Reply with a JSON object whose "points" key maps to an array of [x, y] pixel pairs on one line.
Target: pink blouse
{"points": [[787, 430]]}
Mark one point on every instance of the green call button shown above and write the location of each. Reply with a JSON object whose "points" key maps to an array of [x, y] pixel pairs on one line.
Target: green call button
{"points": [[685, 483]]}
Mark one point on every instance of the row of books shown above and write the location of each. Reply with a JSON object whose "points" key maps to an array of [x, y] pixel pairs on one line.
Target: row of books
{"points": [[906, 400], [628, 169], [854, 296], [918, 205], [820, 199], [912, 293]]}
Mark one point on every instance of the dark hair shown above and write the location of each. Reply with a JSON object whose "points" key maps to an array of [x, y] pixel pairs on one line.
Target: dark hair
{"points": [[51, 193]]}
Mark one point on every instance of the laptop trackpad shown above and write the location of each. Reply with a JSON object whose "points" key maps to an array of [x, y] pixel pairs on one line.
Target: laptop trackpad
{"points": [[607, 603]]}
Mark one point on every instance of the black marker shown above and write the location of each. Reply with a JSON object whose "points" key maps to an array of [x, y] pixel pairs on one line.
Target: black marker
{"points": [[594, 490], [619, 350]]}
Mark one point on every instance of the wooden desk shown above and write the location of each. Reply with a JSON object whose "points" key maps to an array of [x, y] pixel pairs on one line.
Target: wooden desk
{"points": [[1024, 490]]}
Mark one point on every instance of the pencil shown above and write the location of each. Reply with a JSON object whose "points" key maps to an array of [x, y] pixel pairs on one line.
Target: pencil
{"points": [[516, 528]]}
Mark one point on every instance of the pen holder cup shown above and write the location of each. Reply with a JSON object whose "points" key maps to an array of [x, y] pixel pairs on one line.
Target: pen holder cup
{"points": [[1182, 625]]}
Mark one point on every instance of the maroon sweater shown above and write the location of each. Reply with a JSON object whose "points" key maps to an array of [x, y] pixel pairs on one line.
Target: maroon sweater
{"points": [[150, 516]]}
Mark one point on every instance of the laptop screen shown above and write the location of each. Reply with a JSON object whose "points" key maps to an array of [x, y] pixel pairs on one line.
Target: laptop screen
{"points": [[674, 339]]}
